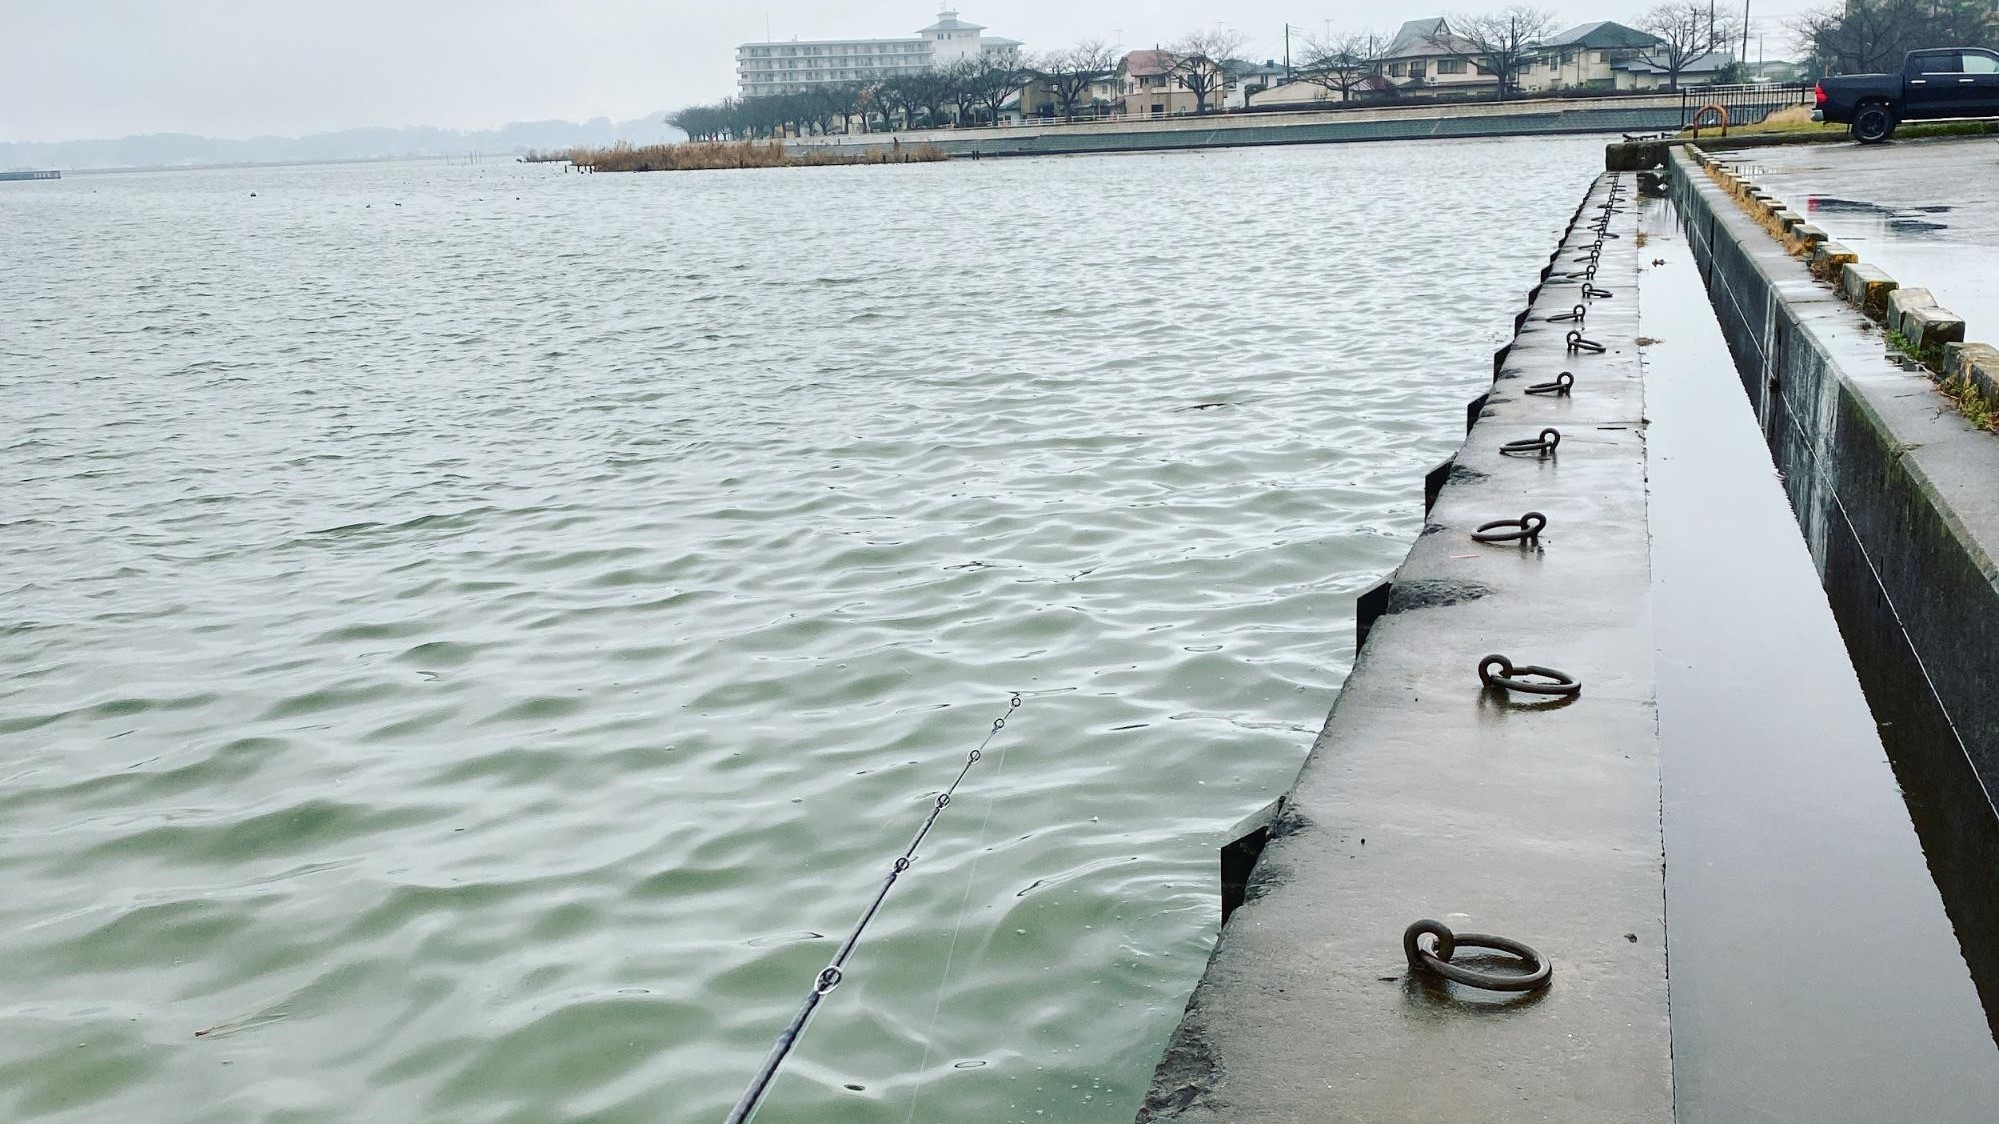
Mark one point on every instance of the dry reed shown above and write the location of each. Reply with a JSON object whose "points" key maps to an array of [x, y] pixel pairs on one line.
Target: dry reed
{"points": [[705, 155]]}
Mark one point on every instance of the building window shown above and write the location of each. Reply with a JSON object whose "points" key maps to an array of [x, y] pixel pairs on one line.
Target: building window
{"points": [[1450, 66], [1398, 70]]}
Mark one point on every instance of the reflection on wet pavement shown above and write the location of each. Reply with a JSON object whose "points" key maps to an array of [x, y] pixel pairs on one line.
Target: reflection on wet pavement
{"points": [[1888, 220]]}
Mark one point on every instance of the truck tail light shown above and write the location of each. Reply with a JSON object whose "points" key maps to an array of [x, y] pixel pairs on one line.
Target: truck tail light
{"points": [[1818, 94]]}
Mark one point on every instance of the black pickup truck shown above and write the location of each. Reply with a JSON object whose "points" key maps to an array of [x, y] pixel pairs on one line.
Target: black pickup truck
{"points": [[1943, 82]]}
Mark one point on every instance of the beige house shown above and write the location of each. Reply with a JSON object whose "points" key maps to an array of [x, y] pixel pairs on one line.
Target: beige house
{"points": [[1151, 84], [1426, 57], [1610, 56], [1038, 100]]}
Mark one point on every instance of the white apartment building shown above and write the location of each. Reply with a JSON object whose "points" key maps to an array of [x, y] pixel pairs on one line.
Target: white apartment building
{"points": [[782, 68]]}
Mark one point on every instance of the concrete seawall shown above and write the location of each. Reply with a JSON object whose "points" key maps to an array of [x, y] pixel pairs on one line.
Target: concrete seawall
{"points": [[1428, 797], [1538, 118], [1895, 494]]}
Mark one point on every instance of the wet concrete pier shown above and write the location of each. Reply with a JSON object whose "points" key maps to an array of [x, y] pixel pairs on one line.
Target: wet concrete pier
{"points": [[1722, 788], [1428, 796]]}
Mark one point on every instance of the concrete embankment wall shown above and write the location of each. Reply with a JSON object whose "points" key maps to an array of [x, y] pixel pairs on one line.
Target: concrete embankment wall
{"points": [[1898, 497], [1541, 118], [1427, 796], [1895, 491]]}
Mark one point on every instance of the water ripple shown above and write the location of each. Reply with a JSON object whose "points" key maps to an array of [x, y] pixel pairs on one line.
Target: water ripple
{"points": [[471, 659]]}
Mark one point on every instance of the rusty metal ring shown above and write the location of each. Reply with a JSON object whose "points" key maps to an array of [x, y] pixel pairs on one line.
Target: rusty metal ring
{"points": [[1577, 343], [1591, 292], [1559, 682], [1540, 446], [1529, 529], [1439, 962], [1560, 387], [1576, 315]]}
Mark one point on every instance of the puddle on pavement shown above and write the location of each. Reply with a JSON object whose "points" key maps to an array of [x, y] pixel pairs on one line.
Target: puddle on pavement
{"points": [[1887, 221], [1815, 973]]}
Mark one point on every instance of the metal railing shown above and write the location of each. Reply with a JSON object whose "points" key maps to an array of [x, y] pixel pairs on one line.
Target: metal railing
{"points": [[1747, 103]]}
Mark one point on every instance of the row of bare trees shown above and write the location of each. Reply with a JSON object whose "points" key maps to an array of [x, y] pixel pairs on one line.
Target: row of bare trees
{"points": [[1201, 62], [1505, 44], [968, 92]]}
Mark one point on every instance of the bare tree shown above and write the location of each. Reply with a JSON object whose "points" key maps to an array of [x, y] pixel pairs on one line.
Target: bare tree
{"points": [[1001, 74], [1862, 36], [961, 80], [882, 101], [1071, 74], [1198, 63], [927, 92], [842, 102], [1501, 44], [1686, 32], [1344, 61]]}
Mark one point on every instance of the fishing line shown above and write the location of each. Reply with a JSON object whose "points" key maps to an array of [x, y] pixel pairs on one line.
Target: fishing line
{"points": [[829, 977], [971, 876]]}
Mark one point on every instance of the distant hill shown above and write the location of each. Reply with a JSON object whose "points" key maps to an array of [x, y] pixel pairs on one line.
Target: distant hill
{"points": [[167, 150]]}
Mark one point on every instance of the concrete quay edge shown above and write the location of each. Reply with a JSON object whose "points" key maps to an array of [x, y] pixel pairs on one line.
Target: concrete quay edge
{"points": [[1428, 797]]}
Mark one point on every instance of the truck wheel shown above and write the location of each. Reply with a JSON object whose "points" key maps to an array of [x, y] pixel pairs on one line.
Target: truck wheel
{"points": [[1873, 123]]}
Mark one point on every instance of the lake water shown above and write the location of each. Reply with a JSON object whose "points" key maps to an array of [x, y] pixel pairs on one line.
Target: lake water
{"points": [[472, 638]]}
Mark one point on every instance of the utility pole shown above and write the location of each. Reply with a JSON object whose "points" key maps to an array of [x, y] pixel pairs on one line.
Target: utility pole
{"points": [[1745, 31], [1287, 53]]}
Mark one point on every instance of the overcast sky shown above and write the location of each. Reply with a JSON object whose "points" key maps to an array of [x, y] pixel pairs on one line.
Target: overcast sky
{"points": [[72, 69]]}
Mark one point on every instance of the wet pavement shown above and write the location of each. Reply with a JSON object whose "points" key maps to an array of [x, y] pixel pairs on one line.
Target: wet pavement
{"points": [[1927, 211], [1815, 974]]}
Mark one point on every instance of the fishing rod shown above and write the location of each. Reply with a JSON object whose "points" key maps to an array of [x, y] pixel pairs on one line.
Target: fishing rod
{"points": [[830, 976]]}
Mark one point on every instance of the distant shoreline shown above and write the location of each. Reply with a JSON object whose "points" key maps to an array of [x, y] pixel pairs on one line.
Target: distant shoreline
{"points": [[492, 157]]}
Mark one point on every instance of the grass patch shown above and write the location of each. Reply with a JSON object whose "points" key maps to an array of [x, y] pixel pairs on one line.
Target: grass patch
{"points": [[1796, 119], [1930, 357], [719, 155], [1946, 129], [1964, 394], [1796, 124]]}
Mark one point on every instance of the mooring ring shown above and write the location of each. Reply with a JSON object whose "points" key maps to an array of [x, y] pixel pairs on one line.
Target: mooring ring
{"points": [[1439, 962], [1591, 292], [1559, 682], [1578, 344], [1541, 445], [1527, 527], [1560, 387], [1577, 315]]}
